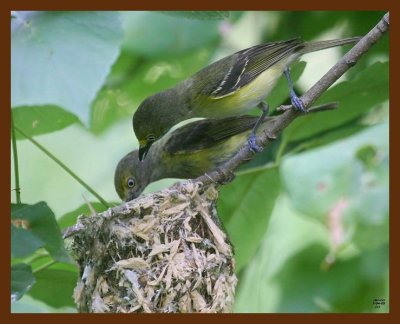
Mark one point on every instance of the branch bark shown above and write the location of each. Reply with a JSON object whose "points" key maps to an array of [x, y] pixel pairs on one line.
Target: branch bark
{"points": [[224, 172]]}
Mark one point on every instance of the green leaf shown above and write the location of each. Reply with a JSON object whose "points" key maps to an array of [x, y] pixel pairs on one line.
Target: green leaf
{"points": [[324, 138], [349, 286], [152, 34], [355, 97], [22, 280], [287, 234], [286, 275], [37, 120], [23, 242], [245, 207], [202, 15], [43, 224], [62, 58], [69, 219], [352, 173], [55, 287]]}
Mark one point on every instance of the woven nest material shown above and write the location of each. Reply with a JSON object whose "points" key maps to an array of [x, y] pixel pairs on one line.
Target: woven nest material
{"points": [[163, 252]]}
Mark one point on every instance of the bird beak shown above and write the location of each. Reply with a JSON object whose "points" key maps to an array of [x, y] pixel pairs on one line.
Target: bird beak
{"points": [[130, 197], [143, 149]]}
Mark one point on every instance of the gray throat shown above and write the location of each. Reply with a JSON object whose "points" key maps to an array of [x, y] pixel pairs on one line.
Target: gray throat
{"points": [[152, 169]]}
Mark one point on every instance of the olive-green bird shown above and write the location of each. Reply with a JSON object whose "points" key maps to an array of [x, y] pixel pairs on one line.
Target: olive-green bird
{"points": [[228, 87], [186, 153]]}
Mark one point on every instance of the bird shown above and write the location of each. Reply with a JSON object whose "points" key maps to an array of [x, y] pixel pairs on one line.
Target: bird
{"points": [[185, 153], [228, 87]]}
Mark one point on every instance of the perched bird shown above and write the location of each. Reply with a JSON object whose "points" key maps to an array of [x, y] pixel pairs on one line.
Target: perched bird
{"points": [[228, 87], [186, 153]]}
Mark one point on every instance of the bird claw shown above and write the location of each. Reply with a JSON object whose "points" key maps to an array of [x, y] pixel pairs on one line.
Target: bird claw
{"points": [[252, 144], [297, 103], [295, 100]]}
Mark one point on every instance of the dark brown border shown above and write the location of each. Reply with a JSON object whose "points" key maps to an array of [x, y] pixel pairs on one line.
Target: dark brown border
{"points": [[6, 6], [202, 5]]}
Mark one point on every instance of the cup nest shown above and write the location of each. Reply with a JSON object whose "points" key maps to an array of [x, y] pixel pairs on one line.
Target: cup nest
{"points": [[163, 252]]}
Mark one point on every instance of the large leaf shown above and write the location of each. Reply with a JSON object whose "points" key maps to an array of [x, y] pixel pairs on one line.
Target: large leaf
{"points": [[62, 58], [22, 280], [36, 120], [287, 234], [329, 136], [153, 34], [23, 242], [245, 207], [55, 287], [286, 274], [347, 181], [42, 223], [349, 286], [355, 97]]}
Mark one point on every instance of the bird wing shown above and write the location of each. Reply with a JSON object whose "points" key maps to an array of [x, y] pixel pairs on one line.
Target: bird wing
{"points": [[248, 64], [206, 133]]}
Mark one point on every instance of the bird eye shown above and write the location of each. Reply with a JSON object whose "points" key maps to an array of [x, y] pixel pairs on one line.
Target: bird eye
{"points": [[151, 138], [131, 182]]}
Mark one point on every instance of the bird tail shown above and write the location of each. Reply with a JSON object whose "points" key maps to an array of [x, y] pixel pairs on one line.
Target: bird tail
{"points": [[320, 45]]}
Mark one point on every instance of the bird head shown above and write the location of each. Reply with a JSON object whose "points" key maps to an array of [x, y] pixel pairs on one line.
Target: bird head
{"points": [[155, 117], [128, 181]]}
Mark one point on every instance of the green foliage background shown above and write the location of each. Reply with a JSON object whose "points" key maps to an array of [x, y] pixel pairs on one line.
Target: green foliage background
{"points": [[308, 217]]}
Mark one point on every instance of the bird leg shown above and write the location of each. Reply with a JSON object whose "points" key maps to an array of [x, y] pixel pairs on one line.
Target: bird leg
{"points": [[252, 139], [296, 101]]}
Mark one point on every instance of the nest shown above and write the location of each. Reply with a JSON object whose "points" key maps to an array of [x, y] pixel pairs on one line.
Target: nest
{"points": [[164, 252]]}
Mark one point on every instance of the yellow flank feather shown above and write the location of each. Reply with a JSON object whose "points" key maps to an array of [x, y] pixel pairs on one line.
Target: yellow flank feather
{"points": [[207, 158], [249, 96]]}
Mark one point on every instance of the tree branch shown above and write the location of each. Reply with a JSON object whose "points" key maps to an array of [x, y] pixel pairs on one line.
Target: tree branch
{"points": [[224, 172]]}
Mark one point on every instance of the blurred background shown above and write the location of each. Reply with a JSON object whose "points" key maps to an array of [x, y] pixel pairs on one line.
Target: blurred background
{"points": [[308, 217]]}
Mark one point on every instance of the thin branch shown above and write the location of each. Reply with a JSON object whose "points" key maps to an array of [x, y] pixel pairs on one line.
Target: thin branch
{"points": [[62, 165], [224, 172], [15, 157]]}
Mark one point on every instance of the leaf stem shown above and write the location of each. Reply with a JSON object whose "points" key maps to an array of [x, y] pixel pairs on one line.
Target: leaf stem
{"points": [[15, 156], [39, 254], [44, 266], [62, 165]]}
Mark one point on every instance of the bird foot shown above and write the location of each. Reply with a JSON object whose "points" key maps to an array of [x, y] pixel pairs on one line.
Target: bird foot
{"points": [[297, 103], [252, 144]]}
